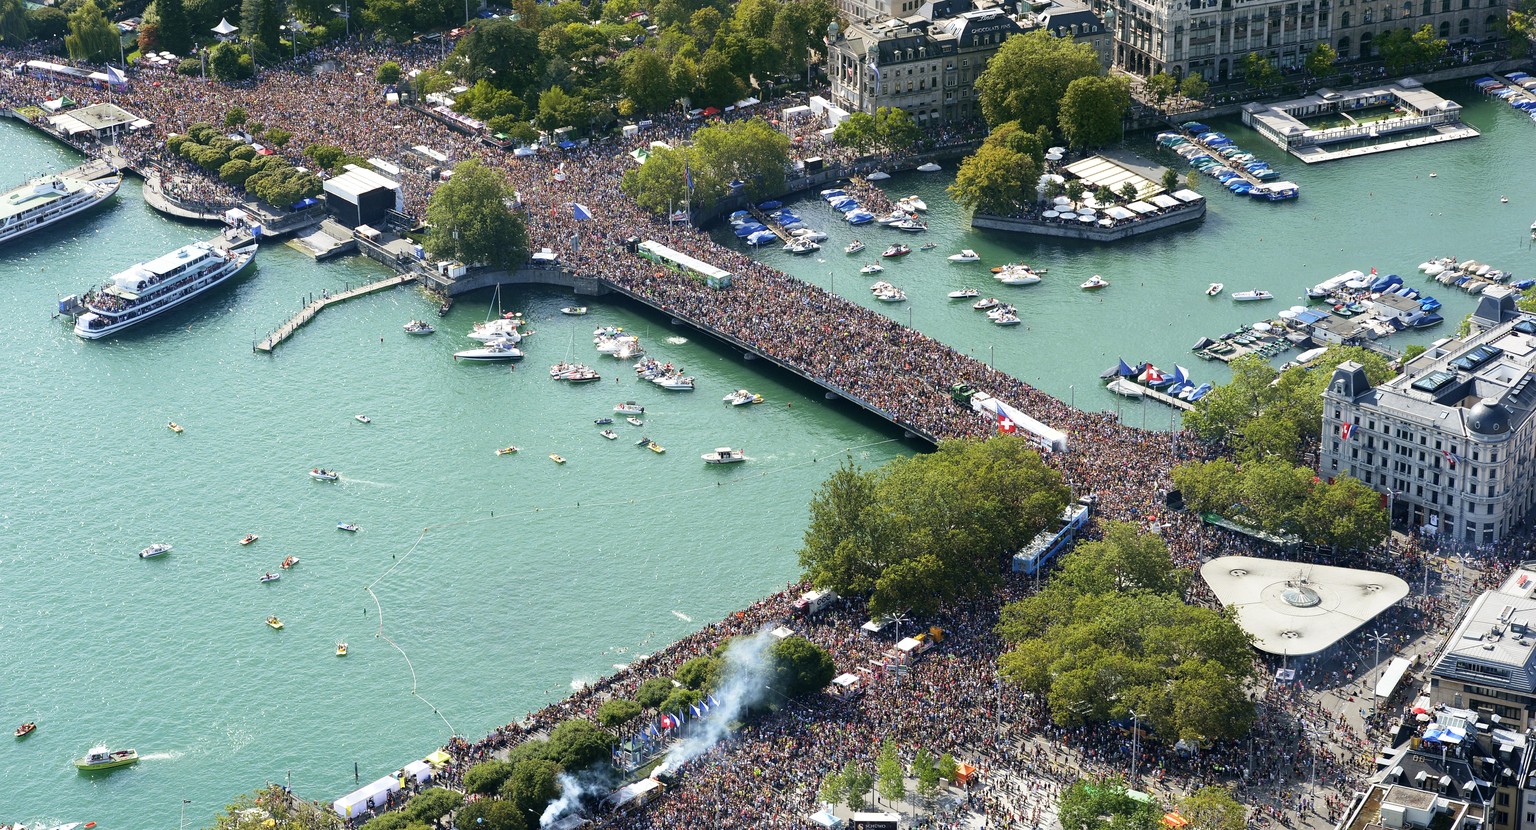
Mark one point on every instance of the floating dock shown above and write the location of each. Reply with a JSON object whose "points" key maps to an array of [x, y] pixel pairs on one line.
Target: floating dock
{"points": [[309, 311], [1281, 122]]}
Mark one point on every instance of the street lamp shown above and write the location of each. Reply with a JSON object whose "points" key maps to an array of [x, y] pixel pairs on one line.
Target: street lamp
{"points": [[293, 35], [184, 803], [1135, 745]]}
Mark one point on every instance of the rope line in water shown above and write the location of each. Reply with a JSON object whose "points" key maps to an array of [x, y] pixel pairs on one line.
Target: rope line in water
{"points": [[400, 560]]}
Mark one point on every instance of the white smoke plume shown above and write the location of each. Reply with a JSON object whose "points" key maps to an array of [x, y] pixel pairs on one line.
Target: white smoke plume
{"points": [[572, 789], [744, 674]]}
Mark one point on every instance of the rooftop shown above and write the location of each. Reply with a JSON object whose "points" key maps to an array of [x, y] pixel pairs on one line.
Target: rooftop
{"points": [[1494, 644], [1296, 608]]}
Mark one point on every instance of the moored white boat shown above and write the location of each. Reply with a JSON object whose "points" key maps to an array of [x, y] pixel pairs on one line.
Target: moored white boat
{"points": [[1016, 275], [986, 303], [158, 549], [1251, 296], [1094, 283], [930, 167], [1216, 288], [878, 176], [742, 397], [418, 327], [964, 293], [891, 295], [1121, 386], [574, 310], [676, 383], [41, 202], [872, 268], [853, 247], [629, 408], [494, 350], [965, 255], [1008, 319]]}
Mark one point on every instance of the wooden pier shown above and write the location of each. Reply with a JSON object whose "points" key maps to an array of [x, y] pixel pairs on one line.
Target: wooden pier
{"points": [[1161, 397], [308, 312], [772, 226]]}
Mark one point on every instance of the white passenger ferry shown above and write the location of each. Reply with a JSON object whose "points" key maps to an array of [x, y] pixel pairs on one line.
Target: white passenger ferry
{"points": [[41, 202], [149, 288]]}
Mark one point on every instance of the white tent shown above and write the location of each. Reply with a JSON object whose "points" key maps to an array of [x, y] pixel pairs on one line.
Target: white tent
{"points": [[1118, 212], [367, 797], [1142, 207], [419, 771], [824, 818], [1163, 200]]}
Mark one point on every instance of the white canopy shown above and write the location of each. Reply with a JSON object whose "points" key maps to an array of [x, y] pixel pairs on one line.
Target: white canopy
{"points": [[1118, 212], [1142, 207], [357, 802], [1187, 195], [225, 28], [1163, 200], [419, 771]]}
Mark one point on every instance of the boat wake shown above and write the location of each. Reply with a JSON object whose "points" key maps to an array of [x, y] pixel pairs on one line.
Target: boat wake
{"points": [[160, 756], [677, 341], [578, 683], [684, 617], [621, 666]]}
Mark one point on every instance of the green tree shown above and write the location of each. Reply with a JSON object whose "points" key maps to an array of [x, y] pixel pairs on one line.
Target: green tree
{"points": [[995, 180], [833, 789], [800, 667], [91, 37], [1428, 49], [174, 33], [235, 172], [700, 672], [652, 692], [224, 62], [660, 184], [1104, 194], [470, 221], [47, 22], [947, 768], [13, 22], [1075, 190], [1085, 806], [1413, 351], [1128, 191], [394, 821], [389, 73], [1122, 559], [751, 151], [1194, 88], [1213, 808], [1093, 110], [1192, 181], [617, 712], [433, 804], [718, 82], [1320, 61], [1171, 181], [926, 770], [1344, 512], [489, 814], [856, 132], [892, 783], [502, 52], [531, 787], [1028, 77], [681, 699], [895, 131], [559, 109], [235, 117], [1161, 86], [578, 744], [645, 79], [856, 785], [486, 777], [1259, 72], [938, 528]]}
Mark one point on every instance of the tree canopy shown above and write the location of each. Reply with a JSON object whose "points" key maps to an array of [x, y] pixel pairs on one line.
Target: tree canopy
{"points": [[1213, 808], [1283, 498], [13, 22], [889, 130], [270, 809], [470, 221], [1028, 77], [926, 530], [91, 37], [1111, 634], [751, 152], [1106, 805], [1093, 110], [1269, 415]]}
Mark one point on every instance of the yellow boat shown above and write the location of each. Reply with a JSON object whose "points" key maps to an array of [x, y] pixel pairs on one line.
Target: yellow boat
{"points": [[277, 624], [341, 649], [506, 450], [655, 447], [173, 427], [555, 458]]}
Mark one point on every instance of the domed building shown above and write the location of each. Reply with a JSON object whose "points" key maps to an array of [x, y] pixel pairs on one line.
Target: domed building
{"points": [[1450, 440]]}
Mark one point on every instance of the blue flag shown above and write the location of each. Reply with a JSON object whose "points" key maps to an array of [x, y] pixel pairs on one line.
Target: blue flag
{"points": [[581, 212]]}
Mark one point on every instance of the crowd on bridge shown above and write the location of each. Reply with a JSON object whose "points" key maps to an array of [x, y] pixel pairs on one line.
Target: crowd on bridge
{"points": [[950, 701]]}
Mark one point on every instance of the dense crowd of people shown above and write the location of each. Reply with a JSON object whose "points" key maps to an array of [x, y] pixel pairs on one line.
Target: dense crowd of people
{"points": [[952, 700]]}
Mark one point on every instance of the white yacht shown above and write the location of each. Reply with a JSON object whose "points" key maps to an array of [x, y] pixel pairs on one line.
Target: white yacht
{"points": [[966, 255], [891, 295], [501, 329], [493, 350], [1017, 275], [149, 288], [676, 383], [725, 455], [41, 202], [1251, 296], [964, 293], [742, 397]]}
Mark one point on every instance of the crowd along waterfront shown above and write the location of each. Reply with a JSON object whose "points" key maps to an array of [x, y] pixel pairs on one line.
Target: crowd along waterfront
{"points": [[494, 605]]}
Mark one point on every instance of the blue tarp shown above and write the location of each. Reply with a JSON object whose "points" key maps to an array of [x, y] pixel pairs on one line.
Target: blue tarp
{"points": [[566, 144], [300, 205]]}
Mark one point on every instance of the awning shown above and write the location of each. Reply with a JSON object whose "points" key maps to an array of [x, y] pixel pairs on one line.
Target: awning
{"points": [[1387, 685], [1163, 200], [1142, 207]]}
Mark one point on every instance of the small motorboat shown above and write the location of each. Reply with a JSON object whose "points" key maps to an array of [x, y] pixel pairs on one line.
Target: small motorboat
{"points": [[986, 303], [725, 455], [1017, 275], [173, 427], [419, 327], [574, 310], [1007, 319], [154, 550], [348, 527], [341, 649], [609, 434], [926, 246], [742, 397], [966, 255], [930, 167], [26, 729], [676, 383], [493, 350], [507, 450], [802, 246], [964, 293], [853, 247], [289, 562], [655, 448], [643, 441], [99, 757], [633, 421], [629, 408], [896, 251], [363, 419], [878, 176], [1216, 288], [270, 577], [891, 295], [277, 624], [249, 538], [1251, 296], [872, 268], [1094, 283], [322, 474], [556, 458], [602, 421]]}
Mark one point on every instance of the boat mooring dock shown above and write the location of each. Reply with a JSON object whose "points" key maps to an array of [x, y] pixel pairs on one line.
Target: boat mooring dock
{"points": [[309, 311]]}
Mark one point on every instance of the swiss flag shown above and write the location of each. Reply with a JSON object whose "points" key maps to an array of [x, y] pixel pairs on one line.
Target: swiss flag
{"points": [[1005, 426], [1345, 430], [667, 722]]}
